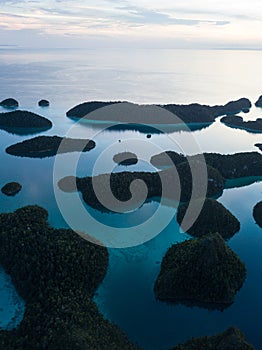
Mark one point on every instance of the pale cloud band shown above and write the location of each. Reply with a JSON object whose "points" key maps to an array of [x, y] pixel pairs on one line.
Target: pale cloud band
{"points": [[217, 23]]}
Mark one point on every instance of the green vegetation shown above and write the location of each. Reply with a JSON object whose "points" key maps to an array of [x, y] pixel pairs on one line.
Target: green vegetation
{"points": [[23, 120], [47, 146], [119, 184], [57, 273], [237, 122], [214, 217], [201, 271], [9, 103], [230, 166], [257, 213], [231, 339], [125, 158], [11, 188], [193, 113], [43, 103]]}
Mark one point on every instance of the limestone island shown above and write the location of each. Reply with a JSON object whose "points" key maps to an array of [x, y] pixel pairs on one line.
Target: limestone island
{"points": [[214, 217], [202, 271], [235, 121], [125, 112], [259, 102], [43, 103], [48, 146], [231, 339], [56, 272], [230, 166], [125, 158], [23, 122], [9, 103], [115, 188], [11, 188], [257, 213], [259, 145]]}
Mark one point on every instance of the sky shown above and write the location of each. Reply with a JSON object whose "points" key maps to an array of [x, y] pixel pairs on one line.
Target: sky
{"points": [[132, 23]]}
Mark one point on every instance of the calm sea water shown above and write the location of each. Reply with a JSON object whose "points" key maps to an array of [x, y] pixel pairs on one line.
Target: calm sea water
{"points": [[67, 78]]}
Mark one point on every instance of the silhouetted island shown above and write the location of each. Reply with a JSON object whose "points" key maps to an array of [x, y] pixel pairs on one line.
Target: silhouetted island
{"points": [[43, 103], [257, 213], [56, 272], [48, 146], [236, 121], [192, 113], [259, 145], [202, 271], [11, 188], [125, 158], [9, 103], [259, 102], [119, 185], [214, 217], [231, 339], [20, 121], [230, 166]]}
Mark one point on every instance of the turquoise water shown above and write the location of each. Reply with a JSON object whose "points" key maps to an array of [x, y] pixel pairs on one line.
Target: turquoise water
{"points": [[68, 78]]}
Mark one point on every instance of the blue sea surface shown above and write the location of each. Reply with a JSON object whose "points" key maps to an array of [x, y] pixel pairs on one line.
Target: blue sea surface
{"points": [[66, 78]]}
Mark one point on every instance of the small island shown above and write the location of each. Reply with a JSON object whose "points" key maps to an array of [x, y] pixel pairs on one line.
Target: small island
{"points": [[231, 339], [235, 121], [9, 103], [48, 146], [214, 217], [144, 114], [202, 271], [125, 158], [257, 213], [56, 272], [230, 166], [11, 188], [259, 145], [21, 121], [43, 103], [259, 102]]}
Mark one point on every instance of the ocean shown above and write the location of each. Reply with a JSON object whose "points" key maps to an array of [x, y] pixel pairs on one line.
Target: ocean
{"points": [[69, 77]]}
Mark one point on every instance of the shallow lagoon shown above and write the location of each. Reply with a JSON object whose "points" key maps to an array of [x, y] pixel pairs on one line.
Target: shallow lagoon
{"points": [[126, 295]]}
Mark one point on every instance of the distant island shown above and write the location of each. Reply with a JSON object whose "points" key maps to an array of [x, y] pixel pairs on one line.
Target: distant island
{"points": [[214, 217], [48, 146], [235, 121], [20, 121], [125, 158], [11, 188], [230, 166], [146, 114], [43, 103], [257, 213], [259, 102], [202, 271], [259, 145], [56, 272], [231, 339], [9, 103]]}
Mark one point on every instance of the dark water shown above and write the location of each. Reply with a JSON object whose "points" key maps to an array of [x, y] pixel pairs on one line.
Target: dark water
{"points": [[67, 78]]}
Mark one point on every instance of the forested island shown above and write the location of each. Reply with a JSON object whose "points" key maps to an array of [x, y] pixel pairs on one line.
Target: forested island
{"points": [[119, 184], [125, 158], [214, 217], [257, 213], [43, 103], [48, 146], [11, 188], [192, 113], [20, 121], [230, 166], [238, 122], [202, 271], [231, 339], [9, 103], [57, 273]]}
